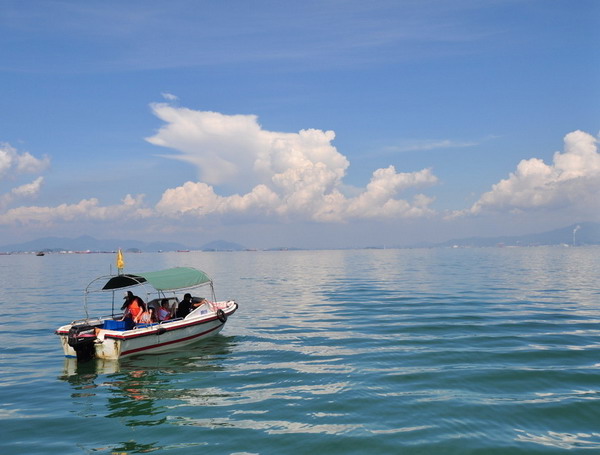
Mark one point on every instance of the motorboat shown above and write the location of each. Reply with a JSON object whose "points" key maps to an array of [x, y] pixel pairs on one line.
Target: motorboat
{"points": [[113, 337]]}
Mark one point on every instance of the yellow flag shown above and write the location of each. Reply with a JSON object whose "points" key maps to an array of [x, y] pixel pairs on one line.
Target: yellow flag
{"points": [[120, 262]]}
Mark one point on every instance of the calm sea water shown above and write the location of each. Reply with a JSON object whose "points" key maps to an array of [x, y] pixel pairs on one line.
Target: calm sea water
{"points": [[484, 351]]}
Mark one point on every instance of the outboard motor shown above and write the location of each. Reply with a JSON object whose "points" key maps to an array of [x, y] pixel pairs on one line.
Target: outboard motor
{"points": [[81, 339]]}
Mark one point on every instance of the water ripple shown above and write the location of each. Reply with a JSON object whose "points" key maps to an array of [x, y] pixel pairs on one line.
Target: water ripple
{"points": [[395, 351]]}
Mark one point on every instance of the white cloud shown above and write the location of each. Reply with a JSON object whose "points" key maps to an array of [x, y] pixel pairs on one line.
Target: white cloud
{"points": [[234, 150], [299, 176], [29, 189], [290, 176], [199, 199], [425, 145], [169, 96], [294, 175], [378, 199], [12, 165], [131, 208], [572, 180], [220, 146], [11, 161]]}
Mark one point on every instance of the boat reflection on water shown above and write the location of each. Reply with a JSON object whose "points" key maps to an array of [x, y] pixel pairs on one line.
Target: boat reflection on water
{"points": [[207, 356], [143, 390]]}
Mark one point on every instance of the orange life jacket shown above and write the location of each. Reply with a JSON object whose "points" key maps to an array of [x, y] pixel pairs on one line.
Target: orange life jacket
{"points": [[134, 308]]}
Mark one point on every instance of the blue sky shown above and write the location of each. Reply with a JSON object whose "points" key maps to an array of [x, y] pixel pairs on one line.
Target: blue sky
{"points": [[312, 124]]}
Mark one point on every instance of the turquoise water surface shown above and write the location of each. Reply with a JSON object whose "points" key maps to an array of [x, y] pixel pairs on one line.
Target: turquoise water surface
{"points": [[425, 351]]}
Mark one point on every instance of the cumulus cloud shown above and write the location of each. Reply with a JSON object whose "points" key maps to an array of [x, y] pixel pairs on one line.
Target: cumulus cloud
{"points": [[221, 147], [573, 179], [299, 176], [234, 150], [378, 198], [287, 176], [87, 209], [14, 164], [27, 190], [200, 199], [294, 175], [169, 96], [11, 161]]}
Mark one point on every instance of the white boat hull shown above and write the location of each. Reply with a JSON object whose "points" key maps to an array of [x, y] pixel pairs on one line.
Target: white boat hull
{"points": [[156, 338]]}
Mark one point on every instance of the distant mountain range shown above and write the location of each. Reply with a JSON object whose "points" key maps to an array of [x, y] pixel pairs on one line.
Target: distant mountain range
{"points": [[576, 235], [87, 243], [222, 245]]}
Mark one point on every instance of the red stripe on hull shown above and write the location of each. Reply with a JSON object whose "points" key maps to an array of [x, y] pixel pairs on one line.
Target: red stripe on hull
{"points": [[179, 340], [153, 332]]}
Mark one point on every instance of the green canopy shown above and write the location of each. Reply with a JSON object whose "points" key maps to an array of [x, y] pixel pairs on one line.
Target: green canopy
{"points": [[161, 280]]}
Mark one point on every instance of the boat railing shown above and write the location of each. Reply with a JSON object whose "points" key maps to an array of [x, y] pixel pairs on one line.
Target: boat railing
{"points": [[96, 320], [145, 325]]}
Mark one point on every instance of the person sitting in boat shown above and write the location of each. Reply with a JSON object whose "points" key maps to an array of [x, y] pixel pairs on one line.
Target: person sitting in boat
{"points": [[188, 304], [133, 306], [184, 307], [164, 312], [146, 316]]}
